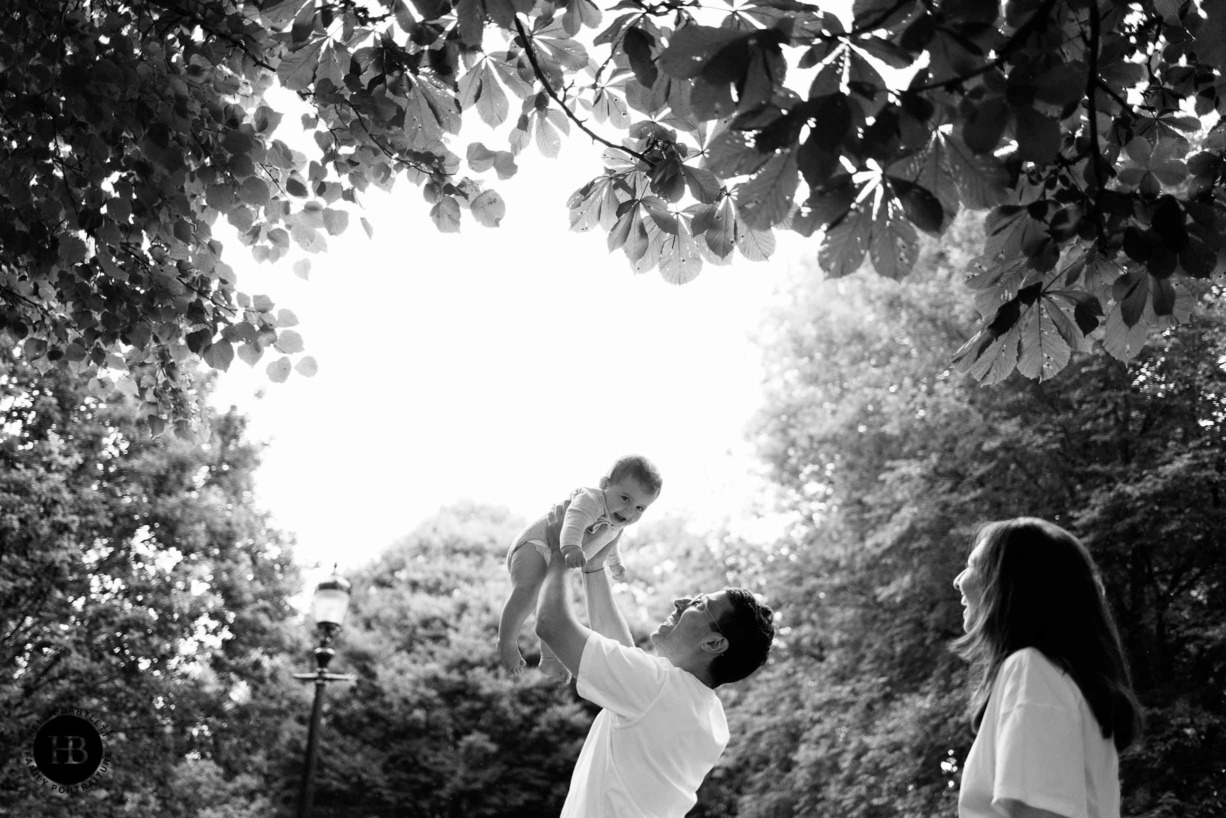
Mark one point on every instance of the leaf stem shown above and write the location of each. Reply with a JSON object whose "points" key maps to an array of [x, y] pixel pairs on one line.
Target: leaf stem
{"points": [[540, 74]]}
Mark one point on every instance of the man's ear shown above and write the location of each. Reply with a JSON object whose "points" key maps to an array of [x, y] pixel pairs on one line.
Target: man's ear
{"points": [[714, 645]]}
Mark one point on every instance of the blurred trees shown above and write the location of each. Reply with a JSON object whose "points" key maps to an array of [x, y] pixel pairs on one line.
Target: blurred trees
{"points": [[889, 461], [137, 581], [433, 727]]}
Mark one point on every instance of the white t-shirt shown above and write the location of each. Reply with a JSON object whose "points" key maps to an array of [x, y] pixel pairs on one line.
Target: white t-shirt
{"points": [[659, 734], [1039, 743]]}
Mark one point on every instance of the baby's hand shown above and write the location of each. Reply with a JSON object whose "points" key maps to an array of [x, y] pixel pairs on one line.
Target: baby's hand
{"points": [[617, 571], [574, 557]]}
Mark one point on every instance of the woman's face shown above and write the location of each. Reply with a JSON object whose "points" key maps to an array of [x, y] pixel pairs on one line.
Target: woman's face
{"points": [[970, 584]]}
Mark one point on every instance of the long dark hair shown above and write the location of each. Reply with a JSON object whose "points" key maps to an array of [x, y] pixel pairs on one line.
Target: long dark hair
{"points": [[1041, 589]]}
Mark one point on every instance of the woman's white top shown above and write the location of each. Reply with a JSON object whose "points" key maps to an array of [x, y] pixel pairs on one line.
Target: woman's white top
{"points": [[1040, 744]]}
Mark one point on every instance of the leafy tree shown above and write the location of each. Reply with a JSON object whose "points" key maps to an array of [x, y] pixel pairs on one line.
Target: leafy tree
{"points": [[137, 581], [130, 125], [433, 726], [890, 459]]}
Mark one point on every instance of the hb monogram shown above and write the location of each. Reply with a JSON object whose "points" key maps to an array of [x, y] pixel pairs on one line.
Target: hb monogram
{"points": [[68, 750]]}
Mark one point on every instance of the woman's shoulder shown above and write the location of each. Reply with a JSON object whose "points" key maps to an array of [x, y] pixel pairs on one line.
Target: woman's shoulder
{"points": [[1031, 676]]}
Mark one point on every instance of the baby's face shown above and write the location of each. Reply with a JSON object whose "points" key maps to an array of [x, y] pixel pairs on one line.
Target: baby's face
{"points": [[626, 500]]}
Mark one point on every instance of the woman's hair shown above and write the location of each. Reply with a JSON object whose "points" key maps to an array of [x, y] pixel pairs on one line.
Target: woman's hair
{"points": [[750, 629], [1041, 589]]}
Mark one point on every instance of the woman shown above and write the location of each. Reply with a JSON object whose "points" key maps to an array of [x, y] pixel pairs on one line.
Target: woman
{"points": [[1053, 704]]}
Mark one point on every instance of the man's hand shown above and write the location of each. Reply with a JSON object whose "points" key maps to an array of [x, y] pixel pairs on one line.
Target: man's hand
{"points": [[574, 557]]}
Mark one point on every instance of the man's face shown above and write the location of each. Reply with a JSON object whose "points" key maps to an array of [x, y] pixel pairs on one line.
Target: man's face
{"points": [[626, 500], [692, 621]]}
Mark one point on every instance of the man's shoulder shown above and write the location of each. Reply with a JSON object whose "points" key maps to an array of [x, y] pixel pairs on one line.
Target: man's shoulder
{"points": [[618, 663], [607, 644]]}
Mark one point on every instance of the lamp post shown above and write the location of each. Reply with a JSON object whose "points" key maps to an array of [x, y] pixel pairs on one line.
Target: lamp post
{"points": [[328, 607]]}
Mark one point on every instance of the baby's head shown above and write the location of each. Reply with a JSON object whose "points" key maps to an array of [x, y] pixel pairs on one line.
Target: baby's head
{"points": [[630, 487]]}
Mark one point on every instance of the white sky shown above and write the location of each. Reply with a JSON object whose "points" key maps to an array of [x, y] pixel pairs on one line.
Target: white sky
{"points": [[506, 365]]}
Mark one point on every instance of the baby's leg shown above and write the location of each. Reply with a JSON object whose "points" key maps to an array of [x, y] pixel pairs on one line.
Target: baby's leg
{"points": [[527, 568]]}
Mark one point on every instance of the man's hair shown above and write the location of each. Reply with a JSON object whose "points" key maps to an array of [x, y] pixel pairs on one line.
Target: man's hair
{"points": [[639, 468], [1041, 589], [750, 630]]}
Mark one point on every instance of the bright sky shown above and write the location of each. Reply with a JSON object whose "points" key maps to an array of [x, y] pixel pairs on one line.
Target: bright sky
{"points": [[506, 365]]}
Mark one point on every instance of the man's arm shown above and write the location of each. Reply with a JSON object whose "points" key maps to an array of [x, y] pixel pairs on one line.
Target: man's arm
{"points": [[602, 610], [555, 622]]}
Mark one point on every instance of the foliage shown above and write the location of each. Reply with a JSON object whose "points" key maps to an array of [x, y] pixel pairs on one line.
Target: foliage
{"points": [[128, 129], [890, 459], [433, 726], [137, 581], [130, 126]]}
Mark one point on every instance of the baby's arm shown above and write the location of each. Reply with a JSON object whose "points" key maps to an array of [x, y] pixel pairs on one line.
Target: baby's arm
{"points": [[579, 515], [614, 559]]}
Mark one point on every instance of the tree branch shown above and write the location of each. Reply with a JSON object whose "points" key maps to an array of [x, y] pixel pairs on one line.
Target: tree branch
{"points": [[206, 26], [1097, 162], [1118, 97], [540, 74], [873, 24], [14, 297], [388, 151], [1007, 49]]}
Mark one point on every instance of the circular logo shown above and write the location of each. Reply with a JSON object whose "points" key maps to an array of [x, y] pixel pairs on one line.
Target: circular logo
{"points": [[67, 749]]}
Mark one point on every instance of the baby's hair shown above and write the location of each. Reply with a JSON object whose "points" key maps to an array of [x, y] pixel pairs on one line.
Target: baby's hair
{"points": [[639, 468]]}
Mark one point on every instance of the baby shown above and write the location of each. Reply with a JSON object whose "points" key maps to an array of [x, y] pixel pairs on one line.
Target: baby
{"points": [[585, 529]]}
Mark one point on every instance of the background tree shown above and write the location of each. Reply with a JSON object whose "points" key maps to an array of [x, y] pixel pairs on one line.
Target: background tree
{"points": [[138, 581], [890, 460], [130, 125], [433, 726]]}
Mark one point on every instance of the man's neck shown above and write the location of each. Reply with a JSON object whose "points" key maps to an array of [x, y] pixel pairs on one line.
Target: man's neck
{"points": [[699, 670]]}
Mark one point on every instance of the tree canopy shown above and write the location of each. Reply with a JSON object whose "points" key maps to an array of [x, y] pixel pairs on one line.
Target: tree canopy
{"points": [[1086, 131]]}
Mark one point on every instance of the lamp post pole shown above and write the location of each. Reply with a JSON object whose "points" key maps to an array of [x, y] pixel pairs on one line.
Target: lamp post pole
{"points": [[328, 608]]}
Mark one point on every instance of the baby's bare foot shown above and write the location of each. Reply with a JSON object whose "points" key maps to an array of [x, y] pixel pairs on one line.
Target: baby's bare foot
{"points": [[511, 659]]}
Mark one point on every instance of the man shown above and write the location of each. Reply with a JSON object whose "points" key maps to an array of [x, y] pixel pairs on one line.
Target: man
{"points": [[662, 726]]}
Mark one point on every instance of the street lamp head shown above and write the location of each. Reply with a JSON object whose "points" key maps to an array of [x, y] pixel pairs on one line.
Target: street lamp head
{"points": [[330, 603]]}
